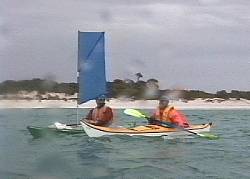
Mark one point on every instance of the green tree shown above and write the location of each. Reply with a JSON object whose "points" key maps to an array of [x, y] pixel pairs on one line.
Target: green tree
{"points": [[138, 76], [222, 94]]}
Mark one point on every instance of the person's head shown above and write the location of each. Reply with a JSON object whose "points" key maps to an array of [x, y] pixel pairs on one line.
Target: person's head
{"points": [[100, 101], [163, 102]]}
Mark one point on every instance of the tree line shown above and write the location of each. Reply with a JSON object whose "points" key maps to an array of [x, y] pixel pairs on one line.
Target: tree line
{"points": [[39, 85], [128, 88]]}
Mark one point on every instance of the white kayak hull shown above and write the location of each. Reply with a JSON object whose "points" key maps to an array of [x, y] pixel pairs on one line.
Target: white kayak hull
{"points": [[148, 130]]}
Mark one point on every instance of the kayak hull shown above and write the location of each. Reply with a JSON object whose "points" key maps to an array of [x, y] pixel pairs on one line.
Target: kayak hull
{"points": [[148, 130], [55, 128]]}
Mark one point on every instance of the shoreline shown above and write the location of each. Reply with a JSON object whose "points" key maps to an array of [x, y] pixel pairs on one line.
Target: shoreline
{"points": [[122, 104]]}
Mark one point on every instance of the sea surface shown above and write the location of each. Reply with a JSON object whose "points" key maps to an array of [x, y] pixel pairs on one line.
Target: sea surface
{"points": [[64, 156]]}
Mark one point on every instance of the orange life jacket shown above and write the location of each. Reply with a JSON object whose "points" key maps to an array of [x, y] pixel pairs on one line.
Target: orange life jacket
{"points": [[97, 113], [170, 114], [103, 115], [163, 115]]}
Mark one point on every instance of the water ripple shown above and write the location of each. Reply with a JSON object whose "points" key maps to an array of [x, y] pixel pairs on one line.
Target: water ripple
{"points": [[78, 156]]}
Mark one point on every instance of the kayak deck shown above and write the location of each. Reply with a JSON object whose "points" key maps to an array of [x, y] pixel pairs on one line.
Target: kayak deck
{"points": [[147, 130]]}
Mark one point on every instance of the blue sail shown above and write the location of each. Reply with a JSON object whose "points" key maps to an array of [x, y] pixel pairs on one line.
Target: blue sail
{"points": [[91, 65]]}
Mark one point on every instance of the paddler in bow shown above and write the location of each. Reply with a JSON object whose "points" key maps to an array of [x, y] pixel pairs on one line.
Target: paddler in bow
{"points": [[167, 113], [101, 115]]}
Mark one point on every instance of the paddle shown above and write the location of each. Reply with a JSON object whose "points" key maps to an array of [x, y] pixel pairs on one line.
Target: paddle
{"points": [[138, 114]]}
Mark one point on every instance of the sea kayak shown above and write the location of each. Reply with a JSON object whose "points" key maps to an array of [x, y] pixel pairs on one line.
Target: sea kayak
{"points": [[147, 130], [57, 127]]}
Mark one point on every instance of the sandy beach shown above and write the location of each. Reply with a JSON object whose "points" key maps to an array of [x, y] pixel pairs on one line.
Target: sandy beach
{"points": [[140, 104]]}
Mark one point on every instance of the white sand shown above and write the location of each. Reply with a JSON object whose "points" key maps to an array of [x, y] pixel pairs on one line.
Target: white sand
{"points": [[115, 103]]}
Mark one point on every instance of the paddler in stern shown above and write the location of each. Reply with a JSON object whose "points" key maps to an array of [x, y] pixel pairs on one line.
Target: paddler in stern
{"points": [[101, 115], [167, 113]]}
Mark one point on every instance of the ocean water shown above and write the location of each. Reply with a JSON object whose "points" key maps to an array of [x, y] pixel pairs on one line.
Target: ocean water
{"points": [[64, 156]]}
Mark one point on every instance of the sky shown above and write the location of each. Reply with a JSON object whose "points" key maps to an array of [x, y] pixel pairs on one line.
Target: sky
{"points": [[194, 44]]}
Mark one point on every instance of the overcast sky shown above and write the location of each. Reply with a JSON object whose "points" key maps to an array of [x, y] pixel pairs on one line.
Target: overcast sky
{"points": [[191, 44]]}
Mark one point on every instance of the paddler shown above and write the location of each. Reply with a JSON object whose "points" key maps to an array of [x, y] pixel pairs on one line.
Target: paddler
{"points": [[101, 115], [167, 113]]}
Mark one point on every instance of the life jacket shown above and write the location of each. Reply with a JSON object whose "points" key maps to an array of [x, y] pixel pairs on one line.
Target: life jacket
{"points": [[104, 115], [163, 115], [179, 118], [170, 114]]}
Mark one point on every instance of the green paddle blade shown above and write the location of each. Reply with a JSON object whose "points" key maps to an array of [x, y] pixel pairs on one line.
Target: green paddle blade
{"points": [[135, 113], [208, 136]]}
